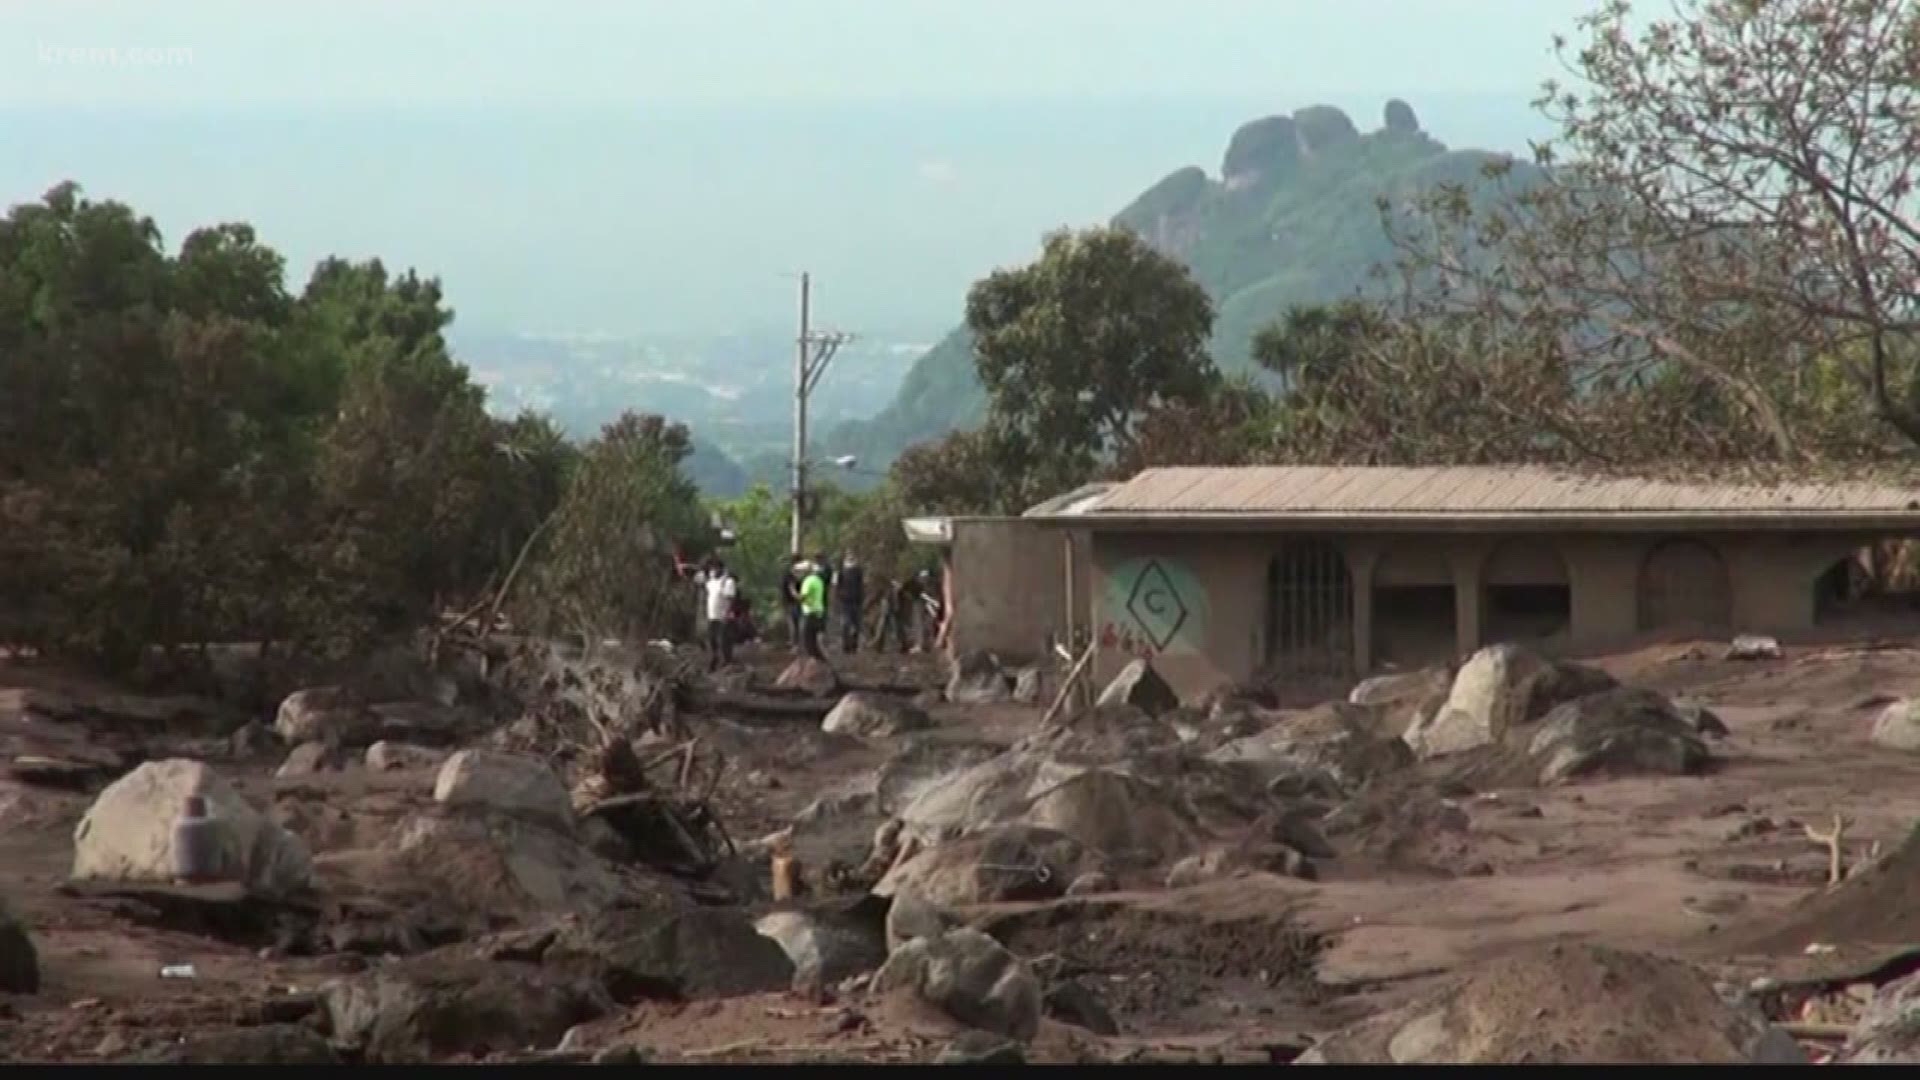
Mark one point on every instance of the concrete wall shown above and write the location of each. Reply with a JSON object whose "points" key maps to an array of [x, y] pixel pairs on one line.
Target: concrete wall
{"points": [[1197, 603], [1011, 586]]}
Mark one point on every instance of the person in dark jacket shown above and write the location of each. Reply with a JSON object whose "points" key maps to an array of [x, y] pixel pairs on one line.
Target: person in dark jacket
{"points": [[790, 598], [850, 595]]}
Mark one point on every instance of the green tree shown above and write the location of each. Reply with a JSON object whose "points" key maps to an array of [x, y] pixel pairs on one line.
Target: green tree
{"points": [[1076, 347], [606, 569], [1730, 198]]}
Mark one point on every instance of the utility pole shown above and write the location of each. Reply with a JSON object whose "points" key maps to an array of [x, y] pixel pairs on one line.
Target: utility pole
{"points": [[813, 351]]}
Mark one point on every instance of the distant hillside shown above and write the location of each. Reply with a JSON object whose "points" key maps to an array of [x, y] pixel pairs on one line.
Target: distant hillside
{"points": [[1292, 219]]}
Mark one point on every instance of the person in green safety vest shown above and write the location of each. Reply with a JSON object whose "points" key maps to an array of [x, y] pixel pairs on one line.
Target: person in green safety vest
{"points": [[813, 609]]}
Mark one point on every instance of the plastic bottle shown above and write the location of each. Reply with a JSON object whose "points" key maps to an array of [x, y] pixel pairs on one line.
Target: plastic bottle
{"points": [[196, 843]]}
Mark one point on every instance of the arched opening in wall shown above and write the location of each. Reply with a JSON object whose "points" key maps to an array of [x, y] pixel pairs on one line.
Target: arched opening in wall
{"points": [[1527, 593], [1878, 580], [1683, 584], [1414, 608], [1309, 610]]}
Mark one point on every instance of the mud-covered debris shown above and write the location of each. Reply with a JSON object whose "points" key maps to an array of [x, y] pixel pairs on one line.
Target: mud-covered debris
{"points": [[970, 977]]}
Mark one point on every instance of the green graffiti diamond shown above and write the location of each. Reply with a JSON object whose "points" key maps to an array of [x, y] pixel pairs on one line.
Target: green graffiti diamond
{"points": [[1156, 606]]}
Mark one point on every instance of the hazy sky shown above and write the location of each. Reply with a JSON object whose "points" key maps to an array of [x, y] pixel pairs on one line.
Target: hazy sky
{"points": [[626, 164]]}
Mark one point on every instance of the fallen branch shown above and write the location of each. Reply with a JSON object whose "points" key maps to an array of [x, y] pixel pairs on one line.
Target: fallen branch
{"points": [[1073, 678], [1836, 862]]}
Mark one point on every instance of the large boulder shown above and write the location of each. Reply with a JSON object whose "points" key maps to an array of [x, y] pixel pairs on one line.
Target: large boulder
{"points": [[494, 866], [1623, 732], [1346, 742], [824, 945], [1888, 1032], [1070, 1002], [994, 791], [1128, 820], [1142, 687], [1103, 735], [309, 758], [874, 716], [327, 714], [127, 835], [970, 977], [1898, 726], [1566, 1003], [1500, 688], [1002, 863], [910, 916], [670, 949], [924, 763], [809, 676], [437, 1005], [978, 679], [19, 964], [505, 784]]}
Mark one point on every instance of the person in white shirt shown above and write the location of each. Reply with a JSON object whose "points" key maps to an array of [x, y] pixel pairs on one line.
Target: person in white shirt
{"points": [[720, 589]]}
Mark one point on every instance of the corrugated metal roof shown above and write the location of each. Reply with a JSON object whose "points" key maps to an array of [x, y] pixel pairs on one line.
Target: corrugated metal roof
{"points": [[1477, 491]]}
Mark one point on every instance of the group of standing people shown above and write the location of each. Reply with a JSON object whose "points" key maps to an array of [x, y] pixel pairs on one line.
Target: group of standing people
{"points": [[815, 592]]}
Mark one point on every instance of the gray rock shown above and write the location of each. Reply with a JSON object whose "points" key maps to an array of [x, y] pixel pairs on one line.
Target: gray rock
{"points": [[1224, 862], [387, 756], [426, 722], [1142, 687], [1888, 1031], [1898, 726], [977, 679], [19, 963], [809, 676], [823, 951], [1500, 688], [1604, 1004], [1753, 647], [507, 784], [1070, 1002], [1342, 741], [970, 977], [267, 1044], [923, 764], [1091, 884], [433, 1006], [1399, 686], [1027, 685], [127, 835], [910, 917], [980, 1048], [330, 714], [1103, 735], [309, 758], [251, 740], [1702, 719], [1624, 732], [1001, 863], [669, 949], [874, 716], [496, 866]]}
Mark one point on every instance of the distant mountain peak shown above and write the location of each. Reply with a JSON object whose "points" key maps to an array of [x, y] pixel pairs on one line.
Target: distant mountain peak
{"points": [[1292, 219]]}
